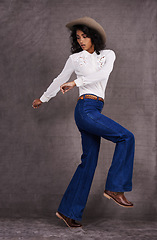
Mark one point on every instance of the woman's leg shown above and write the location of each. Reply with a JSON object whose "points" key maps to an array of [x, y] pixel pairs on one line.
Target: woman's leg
{"points": [[75, 196]]}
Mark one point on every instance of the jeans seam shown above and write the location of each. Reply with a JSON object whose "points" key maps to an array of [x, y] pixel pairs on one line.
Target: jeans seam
{"points": [[98, 122], [90, 116]]}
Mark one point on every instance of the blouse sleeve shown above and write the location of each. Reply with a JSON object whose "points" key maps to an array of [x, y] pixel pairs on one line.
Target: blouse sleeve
{"points": [[63, 77], [99, 75]]}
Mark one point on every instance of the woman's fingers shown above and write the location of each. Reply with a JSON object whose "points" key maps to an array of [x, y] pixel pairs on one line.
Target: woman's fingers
{"points": [[62, 90], [36, 103], [65, 87]]}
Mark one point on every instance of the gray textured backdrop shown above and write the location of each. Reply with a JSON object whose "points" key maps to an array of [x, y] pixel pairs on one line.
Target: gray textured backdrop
{"points": [[41, 148]]}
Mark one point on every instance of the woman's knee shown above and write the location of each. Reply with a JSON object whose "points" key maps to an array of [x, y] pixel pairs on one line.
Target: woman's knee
{"points": [[130, 136]]}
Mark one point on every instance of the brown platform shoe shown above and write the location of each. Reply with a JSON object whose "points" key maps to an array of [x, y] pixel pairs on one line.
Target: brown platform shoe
{"points": [[119, 198], [69, 222]]}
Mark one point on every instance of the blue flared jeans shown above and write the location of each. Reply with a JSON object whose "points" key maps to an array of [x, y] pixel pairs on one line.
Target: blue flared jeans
{"points": [[93, 125]]}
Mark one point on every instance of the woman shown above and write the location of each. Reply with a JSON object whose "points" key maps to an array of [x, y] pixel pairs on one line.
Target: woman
{"points": [[92, 64]]}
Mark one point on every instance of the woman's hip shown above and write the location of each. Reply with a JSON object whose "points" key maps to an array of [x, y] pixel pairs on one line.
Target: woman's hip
{"points": [[86, 109], [88, 117]]}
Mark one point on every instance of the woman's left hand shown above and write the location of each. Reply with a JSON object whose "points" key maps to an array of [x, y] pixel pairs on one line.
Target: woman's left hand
{"points": [[65, 87]]}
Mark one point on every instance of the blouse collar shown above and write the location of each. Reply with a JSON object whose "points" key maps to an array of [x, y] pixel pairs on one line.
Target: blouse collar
{"points": [[94, 53]]}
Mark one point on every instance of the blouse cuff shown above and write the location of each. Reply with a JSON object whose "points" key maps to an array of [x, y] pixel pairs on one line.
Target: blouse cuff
{"points": [[44, 99], [79, 81]]}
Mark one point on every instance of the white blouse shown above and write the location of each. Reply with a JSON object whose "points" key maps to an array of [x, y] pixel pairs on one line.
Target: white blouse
{"points": [[92, 73]]}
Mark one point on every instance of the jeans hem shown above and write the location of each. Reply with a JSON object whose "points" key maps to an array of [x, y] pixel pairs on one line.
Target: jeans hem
{"points": [[113, 189], [67, 215]]}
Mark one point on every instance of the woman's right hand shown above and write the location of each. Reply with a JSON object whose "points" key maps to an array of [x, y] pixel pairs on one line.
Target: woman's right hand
{"points": [[36, 103]]}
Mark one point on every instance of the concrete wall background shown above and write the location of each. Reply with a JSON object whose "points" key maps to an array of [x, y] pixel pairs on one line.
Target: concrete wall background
{"points": [[40, 149]]}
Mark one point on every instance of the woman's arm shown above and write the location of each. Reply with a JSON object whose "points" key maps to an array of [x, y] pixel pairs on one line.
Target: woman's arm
{"points": [[100, 75], [63, 77], [54, 87]]}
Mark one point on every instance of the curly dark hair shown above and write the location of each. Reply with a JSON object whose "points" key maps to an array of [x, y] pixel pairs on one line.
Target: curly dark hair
{"points": [[96, 39]]}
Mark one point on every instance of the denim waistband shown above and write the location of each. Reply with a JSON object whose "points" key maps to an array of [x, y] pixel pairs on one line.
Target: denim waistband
{"points": [[91, 96]]}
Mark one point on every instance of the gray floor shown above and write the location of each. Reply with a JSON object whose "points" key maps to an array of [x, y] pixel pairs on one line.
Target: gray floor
{"points": [[54, 228]]}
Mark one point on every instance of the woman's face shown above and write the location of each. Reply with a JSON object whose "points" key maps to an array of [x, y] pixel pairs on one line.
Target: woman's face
{"points": [[84, 41]]}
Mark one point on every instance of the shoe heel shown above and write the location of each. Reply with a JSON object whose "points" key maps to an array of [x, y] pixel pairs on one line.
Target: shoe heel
{"points": [[57, 214], [107, 196]]}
